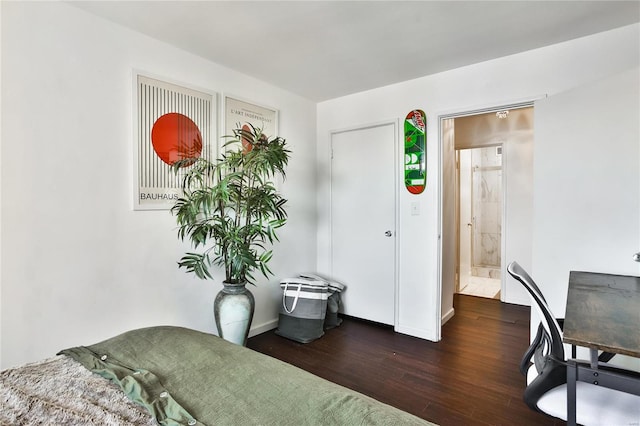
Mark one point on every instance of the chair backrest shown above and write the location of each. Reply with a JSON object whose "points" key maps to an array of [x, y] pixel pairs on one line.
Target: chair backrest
{"points": [[549, 322]]}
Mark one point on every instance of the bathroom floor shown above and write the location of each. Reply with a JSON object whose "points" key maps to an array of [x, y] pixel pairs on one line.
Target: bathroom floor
{"points": [[481, 287]]}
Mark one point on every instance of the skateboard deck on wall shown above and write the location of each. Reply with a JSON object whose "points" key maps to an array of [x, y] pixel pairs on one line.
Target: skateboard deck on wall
{"points": [[415, 154]]}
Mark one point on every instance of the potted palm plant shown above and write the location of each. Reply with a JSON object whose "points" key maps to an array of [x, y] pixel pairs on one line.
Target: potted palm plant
{"points": [[229, 211]]}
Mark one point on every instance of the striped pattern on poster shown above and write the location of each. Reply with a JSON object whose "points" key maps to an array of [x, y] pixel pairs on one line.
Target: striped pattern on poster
{"points": [[157, 184]]}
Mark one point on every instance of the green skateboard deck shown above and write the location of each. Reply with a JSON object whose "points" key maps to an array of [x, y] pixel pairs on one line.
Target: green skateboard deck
{"points": [[415, 154]]}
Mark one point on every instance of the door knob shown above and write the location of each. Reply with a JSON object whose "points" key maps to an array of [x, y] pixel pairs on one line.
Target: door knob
{"points": [[388, 234], [636, 257]]}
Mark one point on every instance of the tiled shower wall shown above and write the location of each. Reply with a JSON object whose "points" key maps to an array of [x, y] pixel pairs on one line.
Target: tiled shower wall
{"points": [[487, 210]]}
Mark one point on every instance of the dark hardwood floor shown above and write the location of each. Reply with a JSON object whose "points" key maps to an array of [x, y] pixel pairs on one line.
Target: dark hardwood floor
{"points": [[470, 377]]}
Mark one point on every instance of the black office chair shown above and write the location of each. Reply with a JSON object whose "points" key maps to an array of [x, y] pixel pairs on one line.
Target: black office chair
{"points": [[545, 367], [524, 364]]}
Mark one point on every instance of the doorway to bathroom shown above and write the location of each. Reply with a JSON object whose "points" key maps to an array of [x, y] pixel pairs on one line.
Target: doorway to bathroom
{"points": [[487, 154], [479, 212]]}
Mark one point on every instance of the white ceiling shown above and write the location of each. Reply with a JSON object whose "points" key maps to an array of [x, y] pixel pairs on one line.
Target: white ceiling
{"points": [[326, 49]]}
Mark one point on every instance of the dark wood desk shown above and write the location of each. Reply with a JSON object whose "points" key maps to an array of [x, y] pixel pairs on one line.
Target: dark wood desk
{"points": [[603, 313]]}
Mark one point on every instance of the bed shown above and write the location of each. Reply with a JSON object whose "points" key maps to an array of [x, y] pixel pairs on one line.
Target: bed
{"points": [[177, 376]]}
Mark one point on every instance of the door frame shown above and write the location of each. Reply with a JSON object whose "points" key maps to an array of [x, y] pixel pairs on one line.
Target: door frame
{"points": [[396, 181], [452, 114]]}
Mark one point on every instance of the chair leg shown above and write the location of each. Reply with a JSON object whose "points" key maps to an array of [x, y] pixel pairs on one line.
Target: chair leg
{"points": [[572, 377]]}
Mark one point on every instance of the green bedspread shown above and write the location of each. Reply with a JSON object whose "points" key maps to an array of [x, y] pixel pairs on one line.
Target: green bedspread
{"points": [[188, 377]]}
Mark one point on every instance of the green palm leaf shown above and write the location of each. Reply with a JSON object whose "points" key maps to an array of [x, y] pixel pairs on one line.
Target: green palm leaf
{"points": [[230, 207]]}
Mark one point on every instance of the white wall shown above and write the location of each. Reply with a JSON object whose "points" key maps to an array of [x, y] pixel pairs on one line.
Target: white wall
{"points": [[589, 203], [587, 191], [523, 76], [79, 264], [1, 183]]}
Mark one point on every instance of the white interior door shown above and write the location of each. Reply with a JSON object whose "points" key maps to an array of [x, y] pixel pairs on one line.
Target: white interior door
{"points": [[466, 220], [363, 220]]}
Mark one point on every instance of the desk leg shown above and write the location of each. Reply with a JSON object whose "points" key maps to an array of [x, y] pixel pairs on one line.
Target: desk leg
{"points": [[572, 377]]}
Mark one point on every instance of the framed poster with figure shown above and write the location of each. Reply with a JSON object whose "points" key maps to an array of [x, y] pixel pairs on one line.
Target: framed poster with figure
{"points": [[238, 112]]}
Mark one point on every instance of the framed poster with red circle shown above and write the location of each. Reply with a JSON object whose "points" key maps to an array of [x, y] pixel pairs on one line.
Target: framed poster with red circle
{"points": [[173, 122]]}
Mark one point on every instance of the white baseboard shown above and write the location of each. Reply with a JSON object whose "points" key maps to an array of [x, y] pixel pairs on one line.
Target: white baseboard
{"points": [[264, 327], [446, 317]]}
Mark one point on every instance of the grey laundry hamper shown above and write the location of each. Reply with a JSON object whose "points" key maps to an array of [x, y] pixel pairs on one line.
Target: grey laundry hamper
{"points": [[334, 301], [303, 309]]}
